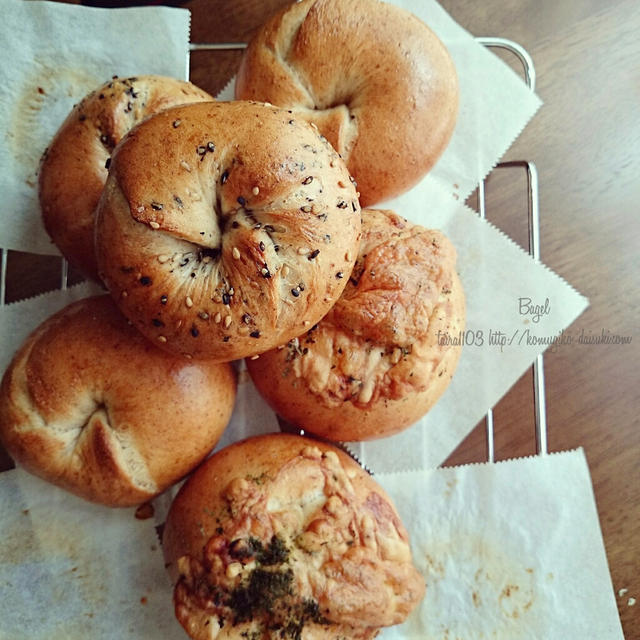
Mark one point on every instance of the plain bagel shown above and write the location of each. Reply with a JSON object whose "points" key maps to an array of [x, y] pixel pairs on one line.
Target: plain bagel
{"points": [[226, 229], [74, 168], [93, 407], [381, 357], [376, 81], [278, 536]]}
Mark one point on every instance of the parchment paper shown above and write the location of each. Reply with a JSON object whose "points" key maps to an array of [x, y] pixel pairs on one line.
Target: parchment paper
{"points": [[509, 551], [55, 54]]}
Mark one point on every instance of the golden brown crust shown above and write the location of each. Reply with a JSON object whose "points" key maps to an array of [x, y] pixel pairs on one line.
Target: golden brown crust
{"points": [[279, 532], [92, 406], [223, 226], [379, 360], [74, 167], [375, 79]]}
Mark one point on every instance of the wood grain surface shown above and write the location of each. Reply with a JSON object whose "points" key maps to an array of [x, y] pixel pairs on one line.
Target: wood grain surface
{"points": [[585, 142]]}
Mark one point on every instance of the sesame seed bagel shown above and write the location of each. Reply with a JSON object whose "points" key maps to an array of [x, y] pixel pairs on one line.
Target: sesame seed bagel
{"points": [[281, 537], [226, 229], [92, 406], [379, 360], [376, 81], [74, 167]]}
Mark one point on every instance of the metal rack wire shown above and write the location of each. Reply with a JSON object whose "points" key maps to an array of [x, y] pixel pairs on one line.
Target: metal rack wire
{"points": [[533, 220]]}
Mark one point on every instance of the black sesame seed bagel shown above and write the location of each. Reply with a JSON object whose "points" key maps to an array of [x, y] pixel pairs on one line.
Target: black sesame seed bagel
{"points": [[377, 82], [226, 229], [74, 167]]}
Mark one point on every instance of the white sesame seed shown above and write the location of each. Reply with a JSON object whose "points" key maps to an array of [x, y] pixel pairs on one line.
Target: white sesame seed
{"points": [[285, 270], [154, 225], [302, 251], [306, 208], [162, 258], [306, 323], [268, 104], [189, 302], [255, 357], [234, 569], [185, 165], [204, 315], [314, 125], [357, 194], [347, 256], [217, 318], [161, 339], [178, 324], [227, 321], [264, 271], [621, 592], [236, 253], [188, 356], [140, 209], [631, 602], [255, 191], [232, 291], [124, 294]]}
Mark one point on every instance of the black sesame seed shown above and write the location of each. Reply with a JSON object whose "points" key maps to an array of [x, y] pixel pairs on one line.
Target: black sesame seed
{"points": [[257, 225], [145, 281], [107, 163], [301, 286], [295, 292], [313, 254], [276, 247], [255, 334], [290, 121], [308, 180], [246, 318], [241, 201], [226, 339], [224, 177], [211, 146], [339, 275], [342, 205], [201, 150], [163, 299], [176, 124], [194, 331], [157, 206], [353, 206], [261, 245], [193, 275], [157, 323], [305, 351], [235, 224], [226, 299], [269, 228], [265, 272], [82, 117], [101, 96], [178, 200]]}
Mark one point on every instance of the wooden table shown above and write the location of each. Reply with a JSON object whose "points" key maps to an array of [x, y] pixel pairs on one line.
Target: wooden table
{"points": [[585, 142]]}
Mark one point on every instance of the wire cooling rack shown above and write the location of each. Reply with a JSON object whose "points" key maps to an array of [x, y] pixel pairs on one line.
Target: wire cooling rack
{"points": [[533, 222]]}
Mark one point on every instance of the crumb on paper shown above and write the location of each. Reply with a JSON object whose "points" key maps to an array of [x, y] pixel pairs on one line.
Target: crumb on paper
{"points": [[144, 511], [631, 602], [621, 592]]}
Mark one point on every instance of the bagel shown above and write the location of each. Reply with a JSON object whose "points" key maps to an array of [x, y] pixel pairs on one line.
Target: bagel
{"points": [[379, 360], [226, 229], [281, 537], [93, 407], [74, 168], [377, 82]]}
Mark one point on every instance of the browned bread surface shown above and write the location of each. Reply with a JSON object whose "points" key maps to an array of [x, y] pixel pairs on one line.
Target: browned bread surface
{"points": [[226, 229], [376, 80], [283, 534], [74, 167], [91, 406], [382, 357]]}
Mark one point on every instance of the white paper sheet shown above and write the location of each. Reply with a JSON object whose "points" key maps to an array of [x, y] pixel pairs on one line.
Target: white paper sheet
{"points": [[509, 551], [58, 53]]}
